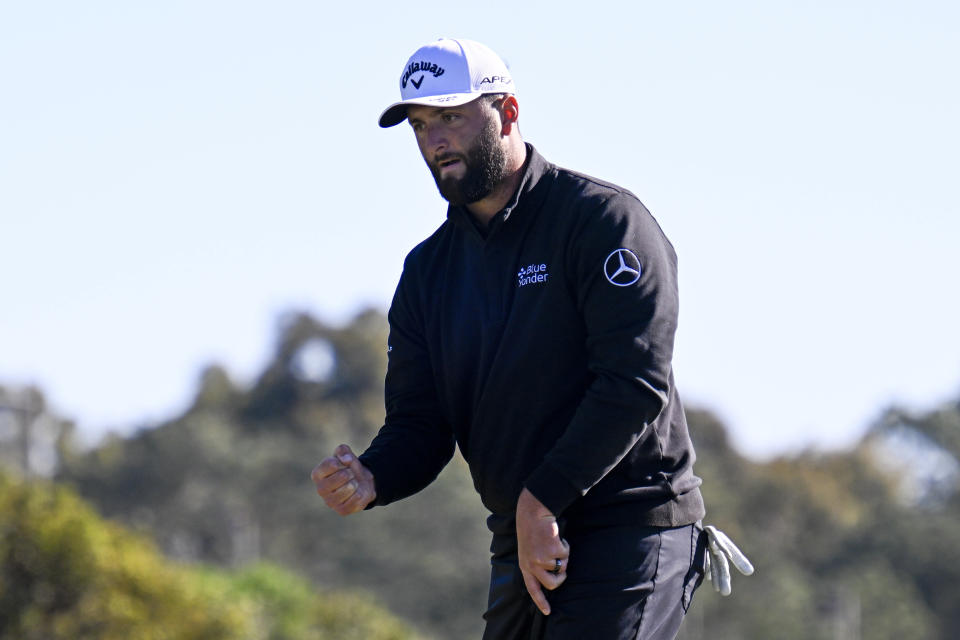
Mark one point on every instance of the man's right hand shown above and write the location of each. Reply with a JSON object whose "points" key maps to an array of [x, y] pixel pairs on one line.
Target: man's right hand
{"points": [[343, 482]]}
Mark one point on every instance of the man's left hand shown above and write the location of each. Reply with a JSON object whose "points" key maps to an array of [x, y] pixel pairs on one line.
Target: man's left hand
{"points": [[539, 547]]}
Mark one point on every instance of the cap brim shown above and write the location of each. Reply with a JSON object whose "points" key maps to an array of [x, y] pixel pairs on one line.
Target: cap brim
{"points": [[397, 112]]}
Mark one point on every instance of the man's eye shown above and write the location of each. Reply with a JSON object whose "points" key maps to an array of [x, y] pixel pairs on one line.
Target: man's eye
{"points": [[450, 117]]}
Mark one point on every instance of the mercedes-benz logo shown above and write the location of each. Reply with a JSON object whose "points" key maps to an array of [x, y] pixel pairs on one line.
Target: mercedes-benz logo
{"points": [[622, 268]]}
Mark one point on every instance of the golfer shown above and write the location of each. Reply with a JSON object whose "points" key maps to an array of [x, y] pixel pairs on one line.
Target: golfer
{"points": [[534, 330]]}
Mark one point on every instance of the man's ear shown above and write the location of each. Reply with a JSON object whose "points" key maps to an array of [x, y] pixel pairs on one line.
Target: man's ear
{"points": [[509, 114]]}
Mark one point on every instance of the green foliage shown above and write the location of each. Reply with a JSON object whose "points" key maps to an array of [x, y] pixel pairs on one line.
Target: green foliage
{"points": [[65, 574], [68, 575], [228, 483], [857, 543], [839, 552]]}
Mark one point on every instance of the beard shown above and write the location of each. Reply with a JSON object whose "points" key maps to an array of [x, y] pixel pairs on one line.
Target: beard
{"points": [[485, 165]]}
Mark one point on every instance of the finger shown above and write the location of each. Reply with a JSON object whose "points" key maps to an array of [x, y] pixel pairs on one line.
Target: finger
{"points": [[357, 467], [331, 483], [564, 557], [344, 454], [720, 564], [736, 556], [544, 565], [722, 573], [536, 593], [560, 550], [559, 566], [725, 585], [325, 468], [554, 566], [357, 502], [715, 574], [343, 493], [550, 580]]}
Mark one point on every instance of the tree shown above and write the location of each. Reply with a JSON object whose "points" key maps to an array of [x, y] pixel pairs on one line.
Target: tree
{"points": [[837, 537], [31, 438], [67, 575]]}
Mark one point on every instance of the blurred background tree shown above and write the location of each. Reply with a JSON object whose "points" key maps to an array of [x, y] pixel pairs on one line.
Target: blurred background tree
{"points": [[849, 544], [31, 437], [229, 482], [65, 574]]}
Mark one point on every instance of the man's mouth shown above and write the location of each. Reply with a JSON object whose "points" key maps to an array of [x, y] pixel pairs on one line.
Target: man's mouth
{"points": [[447, 163]]}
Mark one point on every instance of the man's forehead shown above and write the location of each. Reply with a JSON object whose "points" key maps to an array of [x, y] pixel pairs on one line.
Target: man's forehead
{"points": [[423, 112]]}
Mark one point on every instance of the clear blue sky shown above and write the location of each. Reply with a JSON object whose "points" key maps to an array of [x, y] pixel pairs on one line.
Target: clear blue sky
{"points": [[173, 175]]}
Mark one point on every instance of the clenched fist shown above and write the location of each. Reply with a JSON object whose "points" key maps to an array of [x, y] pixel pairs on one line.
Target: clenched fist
{"points": [[343, 482]]}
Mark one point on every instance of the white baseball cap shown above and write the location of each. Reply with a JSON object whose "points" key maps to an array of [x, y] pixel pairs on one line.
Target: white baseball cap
{"points": [[448, 73]]}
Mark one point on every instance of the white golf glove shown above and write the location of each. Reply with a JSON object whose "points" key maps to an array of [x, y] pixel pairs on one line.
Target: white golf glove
{"points": [[720, 553]]}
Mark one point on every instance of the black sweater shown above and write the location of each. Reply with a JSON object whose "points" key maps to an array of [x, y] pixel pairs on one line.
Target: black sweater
{"points": [[544, 351]]}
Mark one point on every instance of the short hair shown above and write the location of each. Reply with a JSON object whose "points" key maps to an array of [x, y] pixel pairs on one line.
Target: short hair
{"points": [[491, 100], [494, 100]]}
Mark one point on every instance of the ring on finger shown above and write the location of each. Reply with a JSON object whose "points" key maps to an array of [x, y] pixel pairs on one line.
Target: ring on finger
{"points": [[557, 567]]}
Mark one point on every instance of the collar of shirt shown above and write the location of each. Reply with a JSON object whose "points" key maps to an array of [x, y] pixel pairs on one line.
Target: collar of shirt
{"points": [[536, 167]]}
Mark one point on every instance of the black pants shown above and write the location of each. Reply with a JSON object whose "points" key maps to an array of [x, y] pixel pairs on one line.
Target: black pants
{"points": [[623, 582]]}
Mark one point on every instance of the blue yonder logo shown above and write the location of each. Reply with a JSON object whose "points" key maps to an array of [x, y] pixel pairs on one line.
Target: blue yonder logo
{"points": [[532, 274]]}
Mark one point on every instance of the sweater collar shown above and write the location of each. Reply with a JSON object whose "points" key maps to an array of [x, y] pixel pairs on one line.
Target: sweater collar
{"points": [[535, 168]]}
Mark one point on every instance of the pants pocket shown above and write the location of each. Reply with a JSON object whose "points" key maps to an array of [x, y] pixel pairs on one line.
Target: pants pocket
{"points": [[698, 564]]}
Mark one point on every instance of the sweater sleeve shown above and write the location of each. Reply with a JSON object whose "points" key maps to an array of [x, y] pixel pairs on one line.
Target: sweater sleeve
{"points": [[415, 442], [625, 275]]}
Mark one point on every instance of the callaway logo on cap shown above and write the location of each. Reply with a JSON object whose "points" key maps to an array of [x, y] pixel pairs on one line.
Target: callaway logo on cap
{"points": [[448, 73]]}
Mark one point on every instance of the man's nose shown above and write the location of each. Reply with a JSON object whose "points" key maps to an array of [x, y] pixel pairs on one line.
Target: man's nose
{"points": [[436, 139]]}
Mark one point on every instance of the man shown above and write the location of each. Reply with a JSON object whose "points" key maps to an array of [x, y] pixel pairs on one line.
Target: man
{"points": [[534, 329]]}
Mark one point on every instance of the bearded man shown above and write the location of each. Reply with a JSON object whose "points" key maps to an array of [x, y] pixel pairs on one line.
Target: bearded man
{"points": [[534, 329]]}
